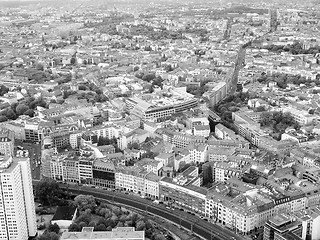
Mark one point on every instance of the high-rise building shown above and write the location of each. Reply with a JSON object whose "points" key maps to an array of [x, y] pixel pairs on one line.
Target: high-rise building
{"points": [[17, 210]]}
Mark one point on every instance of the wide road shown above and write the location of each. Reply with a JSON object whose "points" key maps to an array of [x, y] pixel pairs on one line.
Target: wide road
{"points": [[35, 157], [232, 83], [192, 223]]}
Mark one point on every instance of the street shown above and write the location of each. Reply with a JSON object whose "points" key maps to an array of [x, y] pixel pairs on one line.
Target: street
{"points": [[35, 158]]}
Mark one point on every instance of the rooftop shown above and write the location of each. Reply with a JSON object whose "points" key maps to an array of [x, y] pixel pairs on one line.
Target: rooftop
{"points": [[120, 233]]}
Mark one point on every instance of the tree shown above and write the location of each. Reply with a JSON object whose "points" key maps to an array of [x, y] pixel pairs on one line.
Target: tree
{"points": [[140, 225], [158, 237], [49, 236], [260, 109], [120, 224], [74, 227], [3, 118], [109, 228], [266, 118], [3, 90], [29, 112], [85, 202], [21, 109], [82, 225], [92, 224], [148, 77], [110, 222], [54, 228], [47, 191], [133, 145], [10, 114], [168, 68], [39, 67], [100, 227], [73, 61]]}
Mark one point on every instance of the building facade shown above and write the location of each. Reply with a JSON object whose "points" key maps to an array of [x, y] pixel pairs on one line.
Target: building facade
{"points": [[17, 210]]}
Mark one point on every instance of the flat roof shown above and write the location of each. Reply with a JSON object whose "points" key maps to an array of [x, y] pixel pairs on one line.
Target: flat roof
{"points": [[125, 233]]}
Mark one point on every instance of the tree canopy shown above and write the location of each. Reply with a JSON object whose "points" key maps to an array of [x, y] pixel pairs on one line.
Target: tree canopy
{"points": [[85, 202], [3, 90], [49, 236], [47, 192]]}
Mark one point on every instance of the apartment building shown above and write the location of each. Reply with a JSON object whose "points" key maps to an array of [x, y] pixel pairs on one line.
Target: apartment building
{"points": [[109, 131], [85, 166], [152, 189], [138, 180], [74, 138], [249, 128], [178, 192], [183, 140], [217, 94], [220, 154], [103, 173], [135, 136], [70, 170], [56, 169], [196, 121], [17, 128], [222, 171], [198, 153], [6, 142], [17, 210], [150, 165], [130, 179], [32, 132], [300, 116], [239, 206], [201, 130]]}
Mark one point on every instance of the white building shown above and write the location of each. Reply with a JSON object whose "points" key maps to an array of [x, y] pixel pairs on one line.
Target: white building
{"points": [[200, 130], [17, 210], [198, 153], [74, 138], [119, 233], [301, 116], [138, 180], [151, 184]]}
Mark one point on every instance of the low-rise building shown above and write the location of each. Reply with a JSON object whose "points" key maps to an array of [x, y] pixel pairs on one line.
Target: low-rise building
{"points": [[119, 233]]}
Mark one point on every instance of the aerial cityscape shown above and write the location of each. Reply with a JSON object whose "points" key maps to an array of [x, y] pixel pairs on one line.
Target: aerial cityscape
{"points": [[159, 120]]}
